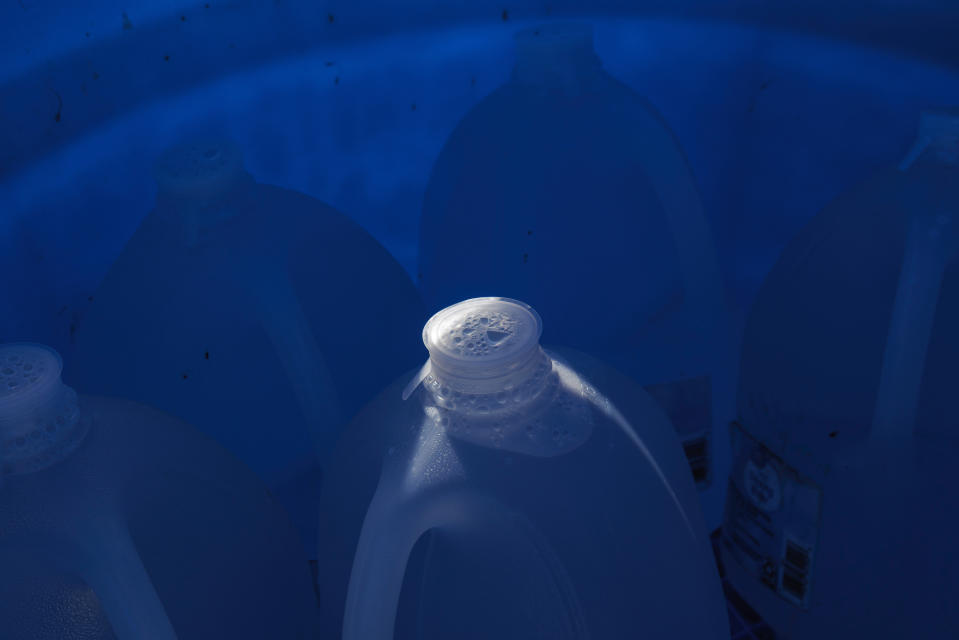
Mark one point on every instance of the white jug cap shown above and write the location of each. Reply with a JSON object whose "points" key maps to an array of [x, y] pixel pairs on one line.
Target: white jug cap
{"points": [[27, 371], [482, 337], [557, 55], [200, 170], [38, 413]]}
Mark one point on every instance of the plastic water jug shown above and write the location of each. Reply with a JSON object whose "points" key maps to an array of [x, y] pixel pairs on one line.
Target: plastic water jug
{"points": [[841, 514], [513, 492], [566, 189], [226, 309], [118, 519]]}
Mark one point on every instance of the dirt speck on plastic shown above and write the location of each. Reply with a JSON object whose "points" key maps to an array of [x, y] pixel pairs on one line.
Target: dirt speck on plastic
{"points": [[56, 116]]}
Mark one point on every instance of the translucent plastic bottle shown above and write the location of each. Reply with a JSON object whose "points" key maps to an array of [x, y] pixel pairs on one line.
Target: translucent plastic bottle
{"points": [[565, 188], [226, 309], [116, 519], [841, 515], [515, 493]]}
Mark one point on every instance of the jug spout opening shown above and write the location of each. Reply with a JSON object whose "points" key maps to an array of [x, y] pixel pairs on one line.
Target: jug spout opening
{"points": [[39, 416]]}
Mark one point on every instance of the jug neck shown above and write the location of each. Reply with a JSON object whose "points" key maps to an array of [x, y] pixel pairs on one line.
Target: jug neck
{"points": [[199, 185], [195, 217], [557, 57], [507, 387], [490, 383], [40, 422]]}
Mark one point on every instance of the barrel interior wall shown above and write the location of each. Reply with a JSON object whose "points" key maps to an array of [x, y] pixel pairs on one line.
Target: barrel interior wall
{"points": [[775, 125]]}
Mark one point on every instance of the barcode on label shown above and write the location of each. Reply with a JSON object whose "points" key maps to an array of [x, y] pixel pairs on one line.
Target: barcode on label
{"points": [[697, 455], [794, 579]]}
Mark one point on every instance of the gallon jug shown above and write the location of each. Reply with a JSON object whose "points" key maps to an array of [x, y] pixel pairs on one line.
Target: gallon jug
{"points": [[841, 517], [513, 492], [117, 520], [566, 189], [226, 309]]}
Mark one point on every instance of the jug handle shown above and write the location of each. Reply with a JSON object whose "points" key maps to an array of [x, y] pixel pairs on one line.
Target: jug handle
{"points": [[931, 244], [111, 565], [289, 331], [673, 182], [390, 531]]}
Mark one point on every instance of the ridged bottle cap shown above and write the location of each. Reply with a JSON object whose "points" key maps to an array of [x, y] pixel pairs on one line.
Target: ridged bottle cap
{"points": [[199, 170], [39, 416], [482, 337]]}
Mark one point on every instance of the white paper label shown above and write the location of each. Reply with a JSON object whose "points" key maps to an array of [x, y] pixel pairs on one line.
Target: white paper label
{"points": [[772, 519]]}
